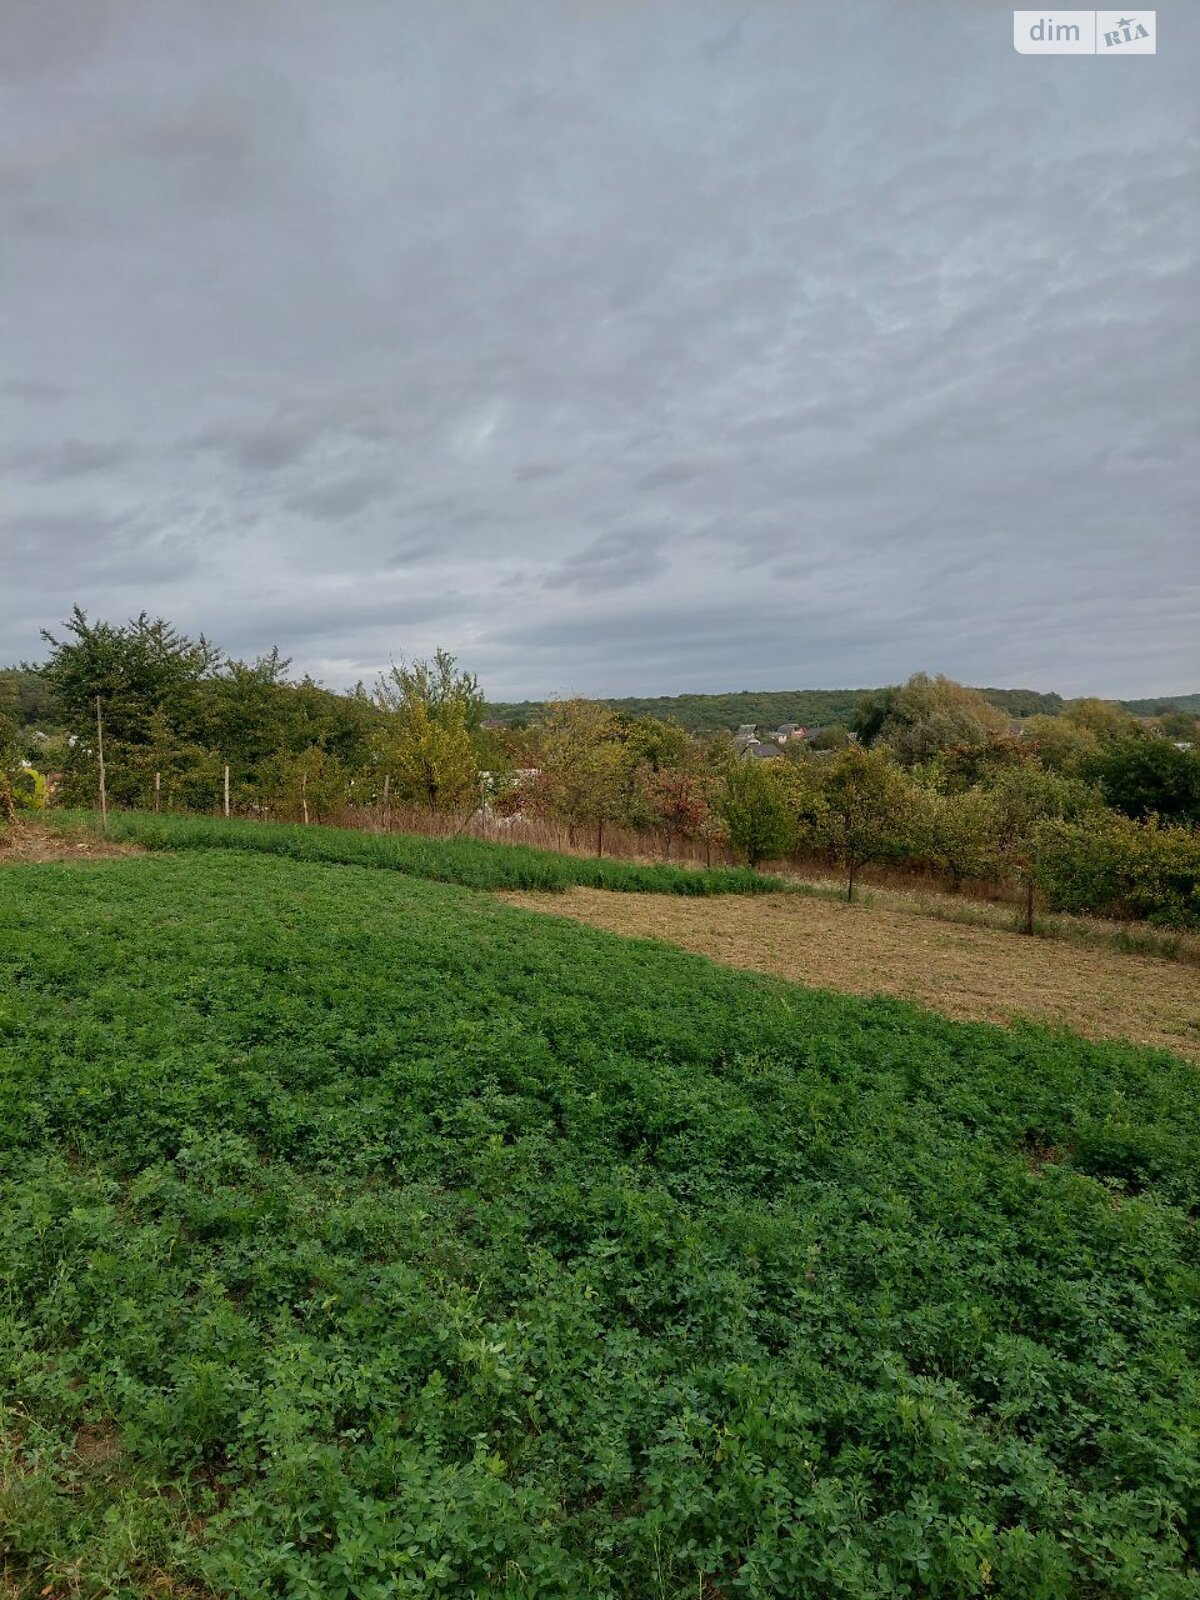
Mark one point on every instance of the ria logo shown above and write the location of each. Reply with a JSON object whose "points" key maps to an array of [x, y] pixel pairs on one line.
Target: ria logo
{"points": [[1084, 33], [1128, 30]]}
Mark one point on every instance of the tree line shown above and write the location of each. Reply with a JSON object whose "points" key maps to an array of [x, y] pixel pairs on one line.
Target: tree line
{"points": [[1087, 806]]}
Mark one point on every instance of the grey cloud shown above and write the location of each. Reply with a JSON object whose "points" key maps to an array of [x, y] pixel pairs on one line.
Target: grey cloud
{"points": [[613, 561], [706, 342], [265, 448], [75, 458], [341, 498], [412, 555], [92, 549], [35, 391], [668, 475], [61, 530], [311, 619]]}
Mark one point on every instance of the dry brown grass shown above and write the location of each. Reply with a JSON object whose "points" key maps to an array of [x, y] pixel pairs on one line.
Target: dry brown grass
{"points": [[976, 907], [900, 887], [27, 842], [97, 1447], [971, 973]]}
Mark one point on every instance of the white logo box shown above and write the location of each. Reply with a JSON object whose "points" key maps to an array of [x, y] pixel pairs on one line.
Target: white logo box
{"points": [[1085, 33]]}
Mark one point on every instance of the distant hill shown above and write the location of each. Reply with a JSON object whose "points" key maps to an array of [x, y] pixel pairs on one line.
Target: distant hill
{"points": [[817, 707], [1158, 704], [1024, 702], [810, 707], [701, 712]]}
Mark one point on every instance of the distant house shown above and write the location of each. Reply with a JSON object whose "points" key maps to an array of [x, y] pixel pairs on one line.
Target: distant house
{"points": [[787, 731], [493, 724], [762, 752]]}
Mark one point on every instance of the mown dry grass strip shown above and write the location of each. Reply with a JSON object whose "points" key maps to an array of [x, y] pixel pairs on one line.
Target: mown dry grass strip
{"points": [[27, 843], [971, 973]]}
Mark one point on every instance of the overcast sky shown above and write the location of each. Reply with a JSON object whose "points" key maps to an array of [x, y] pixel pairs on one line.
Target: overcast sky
{"points": [[619, 346]]}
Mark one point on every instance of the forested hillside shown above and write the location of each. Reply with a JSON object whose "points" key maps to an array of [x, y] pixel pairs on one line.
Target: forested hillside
{"points": [[1162, 703], [816, 707]]}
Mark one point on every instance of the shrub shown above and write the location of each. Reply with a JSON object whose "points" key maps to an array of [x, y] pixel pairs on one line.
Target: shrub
{"points": [[29, 789], [1119, 867], [864, 812], [959, 833], [1148, 774], [756, 813]]}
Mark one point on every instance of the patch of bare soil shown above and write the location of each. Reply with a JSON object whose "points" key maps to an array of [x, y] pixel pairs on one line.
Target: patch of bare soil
{"points": [[975, 974], [26, 842], [96, 1447]]}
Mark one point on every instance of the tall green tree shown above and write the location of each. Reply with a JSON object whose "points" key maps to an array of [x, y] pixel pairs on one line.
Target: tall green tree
{"points": [[135, 670], [1144, 774], [431, 709], [958, 832], [1061, 744], [925, 715], [865, 809], [1103, 718], [582, 759], [247, 712], [1179, 725], [755, 810], [144, 676]]}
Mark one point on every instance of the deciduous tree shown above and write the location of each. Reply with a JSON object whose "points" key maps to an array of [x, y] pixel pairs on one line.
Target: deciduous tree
{"points": [[958, 832], [582, 764], [1144, 774], [865, 807], [431, 711], [756, 813], [925, 715]]}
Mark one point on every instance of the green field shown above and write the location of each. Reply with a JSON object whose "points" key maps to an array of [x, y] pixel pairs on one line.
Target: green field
{"points": [[361, 1236], [476, 863]]}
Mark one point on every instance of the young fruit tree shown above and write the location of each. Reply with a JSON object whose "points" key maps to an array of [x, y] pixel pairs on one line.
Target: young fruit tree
{"points": [[958, 833], [865, 809], [427, 747], [581, 760], [674, 801], [756, 813]]}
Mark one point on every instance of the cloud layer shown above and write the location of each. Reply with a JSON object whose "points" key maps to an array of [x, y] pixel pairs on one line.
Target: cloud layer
{"points": [[661, 345]]}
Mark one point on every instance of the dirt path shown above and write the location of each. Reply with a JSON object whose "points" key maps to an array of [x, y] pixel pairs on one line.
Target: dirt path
{"points": [[975, 974]]}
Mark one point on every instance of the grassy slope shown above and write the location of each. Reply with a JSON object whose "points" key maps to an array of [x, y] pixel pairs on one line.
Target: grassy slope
{"points": [[476, 863], [365, 1237]]}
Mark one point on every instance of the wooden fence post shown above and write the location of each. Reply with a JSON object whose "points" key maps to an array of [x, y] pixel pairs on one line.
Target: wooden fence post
{"points": [[103, 791], [157, 790], [387, 815], [227, 788], [304, 796]]}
